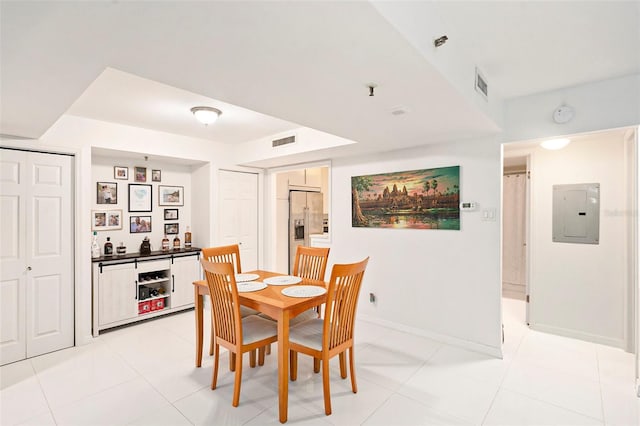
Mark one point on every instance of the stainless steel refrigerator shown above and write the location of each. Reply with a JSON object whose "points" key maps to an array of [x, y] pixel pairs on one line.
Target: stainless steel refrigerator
{"points": [[305, 218]]}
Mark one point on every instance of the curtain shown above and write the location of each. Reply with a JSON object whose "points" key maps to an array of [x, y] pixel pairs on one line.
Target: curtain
{"points": [[514, 233]]}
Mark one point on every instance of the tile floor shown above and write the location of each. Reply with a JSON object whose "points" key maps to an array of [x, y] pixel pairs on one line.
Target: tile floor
{"points": [[145, 375]]}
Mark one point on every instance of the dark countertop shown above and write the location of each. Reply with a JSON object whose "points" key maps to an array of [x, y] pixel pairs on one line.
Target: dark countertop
{"points": [[154, 254]]}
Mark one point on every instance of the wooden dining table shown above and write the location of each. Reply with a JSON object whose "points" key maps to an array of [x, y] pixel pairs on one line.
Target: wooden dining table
{"points": [[272, 302]]}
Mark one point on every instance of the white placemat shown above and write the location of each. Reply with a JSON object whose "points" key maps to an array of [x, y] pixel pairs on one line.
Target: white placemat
{"points": [[248, 286], [283, 280], [304, 291], [246, 277]]}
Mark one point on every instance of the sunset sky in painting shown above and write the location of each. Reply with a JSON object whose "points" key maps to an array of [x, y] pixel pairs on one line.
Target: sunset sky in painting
{"points": [[414, 180]]}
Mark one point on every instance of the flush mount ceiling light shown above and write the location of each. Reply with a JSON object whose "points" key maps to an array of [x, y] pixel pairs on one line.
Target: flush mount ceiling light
{"points": [[206, 115], [554, 144]]}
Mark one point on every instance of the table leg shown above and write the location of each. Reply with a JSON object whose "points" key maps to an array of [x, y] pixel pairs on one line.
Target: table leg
{"points": [[199, 320], [283, 364]]}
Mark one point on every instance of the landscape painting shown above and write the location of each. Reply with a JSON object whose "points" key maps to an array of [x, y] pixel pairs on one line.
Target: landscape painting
{"points": [[416, 199]]}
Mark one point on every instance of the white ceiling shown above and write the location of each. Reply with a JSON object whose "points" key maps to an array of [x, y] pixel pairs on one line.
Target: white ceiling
{"points": [[308, 63]]}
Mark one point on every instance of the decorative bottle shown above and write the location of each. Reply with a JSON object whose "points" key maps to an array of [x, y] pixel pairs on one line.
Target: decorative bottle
{"points": [[176, 243], [95, 248], [108, 247], [165, 243], [187, 239]]}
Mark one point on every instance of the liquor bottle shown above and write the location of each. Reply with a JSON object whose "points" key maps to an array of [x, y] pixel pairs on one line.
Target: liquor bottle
{"points": [[187, 239], [95, 248], [165, 243], [176, 243], [108, 247]]}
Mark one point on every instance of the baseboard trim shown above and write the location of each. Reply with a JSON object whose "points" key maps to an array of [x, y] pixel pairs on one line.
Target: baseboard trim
{"points": [[442, 338], [594, 338]]}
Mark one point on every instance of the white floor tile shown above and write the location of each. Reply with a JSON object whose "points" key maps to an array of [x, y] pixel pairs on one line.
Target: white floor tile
{"points": [[182, 378], [118, 405], [166, 415], [386, 366], [75, 373], [21, 397], [621, 405], [510, 408], [213, 407], [347, 408], [559, 353], [615, 365], [461, 362], [564, 390], [448, 391], [399, 410], [45, 419]]}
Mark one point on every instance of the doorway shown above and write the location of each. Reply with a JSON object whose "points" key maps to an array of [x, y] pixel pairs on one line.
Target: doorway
{"points": [[582, 291], [238, 201]]}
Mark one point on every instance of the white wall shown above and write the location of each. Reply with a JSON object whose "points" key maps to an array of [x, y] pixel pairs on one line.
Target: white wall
{"points": [[443, 284], [600, 105], [580, 290], [171, 174]]}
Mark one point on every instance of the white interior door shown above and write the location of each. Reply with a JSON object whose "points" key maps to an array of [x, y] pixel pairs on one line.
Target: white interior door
{"points": [[238, 201], [13, 270], [37, 255]]}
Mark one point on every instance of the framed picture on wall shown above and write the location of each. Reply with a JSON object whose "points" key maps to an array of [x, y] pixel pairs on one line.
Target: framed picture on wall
{"points": [[120, 172], [140, 174], [170, 214], [138, 224], [106, 220], [107, 193], [170, 195], [140, 197], [156, 176], [171, 228]]}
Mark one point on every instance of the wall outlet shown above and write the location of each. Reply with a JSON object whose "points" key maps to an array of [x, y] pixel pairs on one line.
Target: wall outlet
{"points": [[372, 298]]}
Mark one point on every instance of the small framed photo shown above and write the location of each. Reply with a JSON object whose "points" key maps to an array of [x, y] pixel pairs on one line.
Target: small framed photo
{"points": [[120, 172], [106, 220], [140, 174], [170, 195], [156, 176], [139, 224], [140, 197], [170, 214], [107, 193], [171, 228]]}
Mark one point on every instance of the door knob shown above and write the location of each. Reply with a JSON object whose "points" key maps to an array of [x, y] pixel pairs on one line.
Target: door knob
{"points": [[28, 268]]}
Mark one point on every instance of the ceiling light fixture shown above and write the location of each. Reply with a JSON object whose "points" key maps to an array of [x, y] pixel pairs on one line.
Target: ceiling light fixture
{"points": [[555, 144], [206, 115]]}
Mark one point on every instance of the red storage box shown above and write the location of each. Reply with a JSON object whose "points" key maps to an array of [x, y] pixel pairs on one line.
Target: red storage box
{"points": [[144, 307], [157, 304]]}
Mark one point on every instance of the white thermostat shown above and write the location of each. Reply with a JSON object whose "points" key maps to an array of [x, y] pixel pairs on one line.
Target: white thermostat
{"points": [[469, 206]]}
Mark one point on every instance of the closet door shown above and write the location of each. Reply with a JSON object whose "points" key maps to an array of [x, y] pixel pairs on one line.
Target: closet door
{"points": [[13, 263], [37, 258], [239, 215]]}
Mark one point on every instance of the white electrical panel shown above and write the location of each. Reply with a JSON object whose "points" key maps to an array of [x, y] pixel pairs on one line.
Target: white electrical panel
{"points": [[576, 213]]}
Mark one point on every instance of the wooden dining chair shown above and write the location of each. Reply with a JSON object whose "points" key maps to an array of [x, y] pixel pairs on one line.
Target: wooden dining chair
{"points": [[227, 254], [325, 338], [310, 263], [238, 335]]}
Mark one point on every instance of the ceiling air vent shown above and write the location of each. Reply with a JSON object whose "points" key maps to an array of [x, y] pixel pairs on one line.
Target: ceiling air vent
{"points": [[482, 86], [283, 141]]}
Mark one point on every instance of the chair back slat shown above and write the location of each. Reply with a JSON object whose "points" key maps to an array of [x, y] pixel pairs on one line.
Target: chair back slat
{"points": [[224, 254], [311, 262], [342, 301], [225, 306]]}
